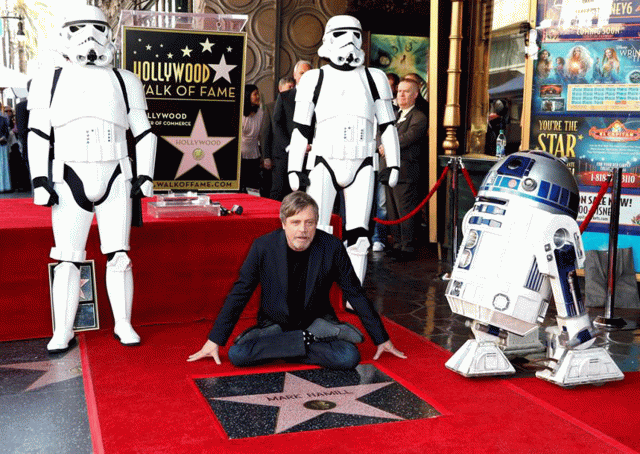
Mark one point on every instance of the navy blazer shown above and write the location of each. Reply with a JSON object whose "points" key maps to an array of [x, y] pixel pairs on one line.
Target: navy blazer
{"points": [[266, 264]]}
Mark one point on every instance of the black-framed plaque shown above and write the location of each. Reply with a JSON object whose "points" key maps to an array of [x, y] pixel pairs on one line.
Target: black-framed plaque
{"points": [[87, 316], [193, 82]]}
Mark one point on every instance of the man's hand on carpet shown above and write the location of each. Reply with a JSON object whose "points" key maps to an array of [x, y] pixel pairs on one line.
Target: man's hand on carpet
{"points": [[208, 349], [388, 347]]}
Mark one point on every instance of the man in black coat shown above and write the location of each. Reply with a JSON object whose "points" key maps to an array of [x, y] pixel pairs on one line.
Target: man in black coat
{"points": [[282, 129], [296, 268], [412, 128]]}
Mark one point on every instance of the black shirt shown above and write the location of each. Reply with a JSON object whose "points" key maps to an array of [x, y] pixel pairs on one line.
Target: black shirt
{"points": [[298, 263]]}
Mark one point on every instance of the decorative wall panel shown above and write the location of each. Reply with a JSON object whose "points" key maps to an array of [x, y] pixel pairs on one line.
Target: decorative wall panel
{"points": [[301, 28], [261, 38]]}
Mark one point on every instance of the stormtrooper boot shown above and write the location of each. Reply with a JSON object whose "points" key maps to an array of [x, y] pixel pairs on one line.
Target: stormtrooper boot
{"points": [[66, 295], [120, 290]]}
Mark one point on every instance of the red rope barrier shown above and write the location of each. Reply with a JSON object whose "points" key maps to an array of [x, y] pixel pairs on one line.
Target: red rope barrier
{"points": [[467, 177], [596, 202], [419, 207]]}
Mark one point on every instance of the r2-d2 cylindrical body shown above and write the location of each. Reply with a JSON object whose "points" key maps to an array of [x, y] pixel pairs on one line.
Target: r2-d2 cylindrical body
{"points": [[522, 246]]}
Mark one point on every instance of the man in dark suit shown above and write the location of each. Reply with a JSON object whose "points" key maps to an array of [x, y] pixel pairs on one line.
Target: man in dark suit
{"points": [[266, 136], [282, 130], [404, 197], [296, 267]]}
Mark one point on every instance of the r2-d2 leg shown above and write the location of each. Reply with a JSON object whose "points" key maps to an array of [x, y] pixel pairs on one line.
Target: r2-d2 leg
{"points": [[572, 358], [483, 355]]}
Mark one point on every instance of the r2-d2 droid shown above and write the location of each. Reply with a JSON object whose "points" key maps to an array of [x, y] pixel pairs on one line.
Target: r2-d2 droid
{"points": [[522, 245]]}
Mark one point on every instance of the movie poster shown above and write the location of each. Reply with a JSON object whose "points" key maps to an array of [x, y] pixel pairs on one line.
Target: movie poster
{"points": [[585, 105], [193, 82], [401, 55]]}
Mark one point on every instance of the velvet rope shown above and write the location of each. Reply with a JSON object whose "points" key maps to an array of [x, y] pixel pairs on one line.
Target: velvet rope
{"points": [[419, 207], [596, 202], [467, 177]]}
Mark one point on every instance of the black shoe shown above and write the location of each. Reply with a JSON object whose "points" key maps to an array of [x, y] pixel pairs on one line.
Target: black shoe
{"points": [[324, 330], [256, 332], [56, 351]]}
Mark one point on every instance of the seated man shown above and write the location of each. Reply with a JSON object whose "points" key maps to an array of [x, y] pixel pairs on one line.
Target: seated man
{"points": [[296, 267]]}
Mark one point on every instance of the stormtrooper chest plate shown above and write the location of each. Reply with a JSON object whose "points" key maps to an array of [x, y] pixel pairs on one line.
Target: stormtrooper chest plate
{"points": [[88, 92], [344, 93]]}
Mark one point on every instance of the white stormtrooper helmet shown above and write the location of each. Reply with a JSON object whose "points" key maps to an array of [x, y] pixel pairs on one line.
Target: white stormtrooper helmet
{"points": [[86, 37], [342, 42]]}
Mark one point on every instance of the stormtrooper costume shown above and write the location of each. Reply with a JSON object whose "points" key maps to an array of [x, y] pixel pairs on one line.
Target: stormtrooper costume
{"points": [[348, 100], [522, 246], [84, 109]]}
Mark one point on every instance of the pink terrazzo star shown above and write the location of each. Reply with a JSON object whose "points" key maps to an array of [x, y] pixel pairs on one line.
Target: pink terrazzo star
{"points": [[302, 400], [198, 148]]}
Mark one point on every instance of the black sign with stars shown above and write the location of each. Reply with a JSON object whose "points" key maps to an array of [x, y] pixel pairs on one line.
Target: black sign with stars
{"points": [[193, 82]]}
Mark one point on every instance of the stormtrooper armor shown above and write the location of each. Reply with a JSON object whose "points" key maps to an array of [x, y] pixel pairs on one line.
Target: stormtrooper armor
{"points": [[522, 245], [87, 105], [348, 100]]}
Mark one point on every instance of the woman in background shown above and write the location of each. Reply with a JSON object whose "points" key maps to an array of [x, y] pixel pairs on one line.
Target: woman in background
{"points": [[5, 176], [250, 147]]}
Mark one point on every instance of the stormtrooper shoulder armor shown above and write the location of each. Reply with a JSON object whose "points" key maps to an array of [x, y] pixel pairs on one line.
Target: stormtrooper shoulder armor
{"points": [[40, 89], [307, 85], [382, 83], [135, 90]]}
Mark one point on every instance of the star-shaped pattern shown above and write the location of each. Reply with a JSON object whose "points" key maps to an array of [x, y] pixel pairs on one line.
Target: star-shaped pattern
{"points": [[302, 400], [55, 371], [206, 46], [83, 282], [186, 52], [222, 69], [198, 148]]}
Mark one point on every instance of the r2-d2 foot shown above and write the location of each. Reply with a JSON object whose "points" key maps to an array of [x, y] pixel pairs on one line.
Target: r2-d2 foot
{"points": [[569, 368]]}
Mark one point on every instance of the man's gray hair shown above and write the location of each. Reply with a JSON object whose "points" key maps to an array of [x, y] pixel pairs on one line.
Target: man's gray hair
{"points": [[295, 202], [300, 63], [286, 80]]}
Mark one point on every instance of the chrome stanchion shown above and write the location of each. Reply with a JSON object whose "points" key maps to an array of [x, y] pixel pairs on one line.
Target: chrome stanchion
{"points": [[608, 321], [454, 163]]}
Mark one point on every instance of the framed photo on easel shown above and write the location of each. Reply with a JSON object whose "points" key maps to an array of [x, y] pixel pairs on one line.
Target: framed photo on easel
{"points": [[87, 317]]}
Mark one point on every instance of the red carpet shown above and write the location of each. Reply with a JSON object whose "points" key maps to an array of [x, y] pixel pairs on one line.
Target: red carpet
{"points": [[142, 400]]}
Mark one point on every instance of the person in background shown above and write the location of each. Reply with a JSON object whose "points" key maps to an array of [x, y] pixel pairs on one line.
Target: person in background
{"points": [[404, 197], [250, 148], [282, 129], [379, 238], [17, 167], [5, 176], [421, 102], [266, 136], [296, 266], [22, 126], [394, 80]]}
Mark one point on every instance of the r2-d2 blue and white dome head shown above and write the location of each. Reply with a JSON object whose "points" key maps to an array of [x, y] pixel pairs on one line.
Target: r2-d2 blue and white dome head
{"points": [[342, 42], [85, 37], [536, 178]]}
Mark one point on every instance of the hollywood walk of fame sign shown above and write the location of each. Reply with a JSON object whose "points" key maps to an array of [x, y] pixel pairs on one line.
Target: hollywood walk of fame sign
{"points": [[193, 82], [87, 316], [297, 401]]}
